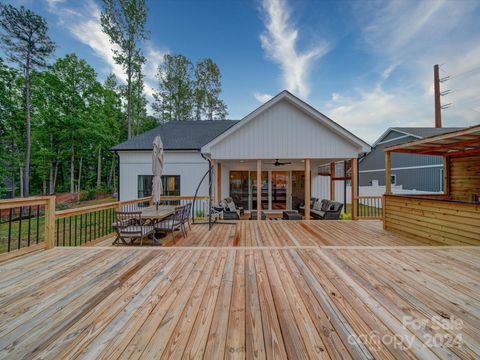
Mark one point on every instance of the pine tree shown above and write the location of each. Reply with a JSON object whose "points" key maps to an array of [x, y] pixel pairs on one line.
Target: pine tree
{"points": [[124, 22], [174, 98], [208, 86], [27, 44]]}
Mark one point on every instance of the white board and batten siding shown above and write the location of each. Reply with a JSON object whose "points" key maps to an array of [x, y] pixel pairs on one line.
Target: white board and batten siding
{"points": [[282, 131], [188, 164]]}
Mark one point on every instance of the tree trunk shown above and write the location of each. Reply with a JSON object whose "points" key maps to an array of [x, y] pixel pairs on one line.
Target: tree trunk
{"points": [[21, 180], [26, 186], [50, 178], [110, 175], [129, 97], [44, 185], [79, 178], [99, 168], [114, 181], [55, 173], [72, 174], [13, 183]]}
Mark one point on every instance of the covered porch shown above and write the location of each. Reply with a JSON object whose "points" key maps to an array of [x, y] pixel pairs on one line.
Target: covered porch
{"points": [[275, 185], [271, 160]]}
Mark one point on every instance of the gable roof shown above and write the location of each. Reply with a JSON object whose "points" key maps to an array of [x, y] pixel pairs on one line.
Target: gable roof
{"points": [[301, 105], [178, 135], [416, 132]]}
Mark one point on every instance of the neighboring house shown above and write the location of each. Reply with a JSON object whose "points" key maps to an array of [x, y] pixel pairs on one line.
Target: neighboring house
{"points": [[284, 128], [409, 171]]}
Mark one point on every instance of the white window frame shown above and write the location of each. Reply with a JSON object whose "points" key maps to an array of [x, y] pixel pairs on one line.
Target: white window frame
{"points": [[394, 177]]}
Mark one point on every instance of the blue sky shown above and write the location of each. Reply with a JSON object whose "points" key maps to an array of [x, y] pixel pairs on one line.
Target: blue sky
{"points": [[366, 64]]}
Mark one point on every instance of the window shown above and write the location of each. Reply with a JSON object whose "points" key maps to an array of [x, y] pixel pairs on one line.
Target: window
{"points": [[393, 179], [171, 185]]}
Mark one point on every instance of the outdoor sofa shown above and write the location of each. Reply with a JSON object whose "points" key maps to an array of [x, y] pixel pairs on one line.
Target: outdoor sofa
{"points": [[326, 210], [230, 210]]}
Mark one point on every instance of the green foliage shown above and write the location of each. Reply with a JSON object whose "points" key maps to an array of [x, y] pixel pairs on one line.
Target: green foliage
{"points": [[186, 92], [345, 216], [208, 86], [124, 23], [174, 98], [89, 194], [26, 44], [25, 38], [199, 214]]}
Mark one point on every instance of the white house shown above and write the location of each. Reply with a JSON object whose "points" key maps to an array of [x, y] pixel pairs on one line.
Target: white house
{"points": [[283, 138]]}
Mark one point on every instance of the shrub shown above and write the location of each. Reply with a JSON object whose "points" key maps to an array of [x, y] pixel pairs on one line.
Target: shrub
{"points": [[199, 214], [345, 216]]}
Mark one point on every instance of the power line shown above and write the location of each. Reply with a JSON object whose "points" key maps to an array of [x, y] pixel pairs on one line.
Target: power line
{"points": [[477, 68]]}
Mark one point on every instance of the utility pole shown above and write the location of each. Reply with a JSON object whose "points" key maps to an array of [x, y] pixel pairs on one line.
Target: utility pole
{"points": [[438, 106]]}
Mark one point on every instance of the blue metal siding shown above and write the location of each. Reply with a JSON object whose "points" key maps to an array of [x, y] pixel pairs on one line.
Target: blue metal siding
{"points": [[423, 179]]}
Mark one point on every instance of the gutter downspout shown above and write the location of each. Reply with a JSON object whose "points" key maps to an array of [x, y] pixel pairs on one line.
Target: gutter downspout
{"points": [[118, 174]]}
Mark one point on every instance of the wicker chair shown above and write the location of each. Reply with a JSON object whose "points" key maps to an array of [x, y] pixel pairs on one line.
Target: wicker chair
{"points": [[129, 225]]}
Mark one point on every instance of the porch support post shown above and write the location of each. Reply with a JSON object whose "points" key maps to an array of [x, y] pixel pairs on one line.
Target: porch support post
{"points": [[219, 182], [446, 175], [388, 181], [354, 188], [259, 189], [332, 181], [307, 189], [212, 192]]}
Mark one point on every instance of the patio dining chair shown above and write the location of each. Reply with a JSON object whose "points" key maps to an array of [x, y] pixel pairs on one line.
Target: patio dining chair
{"points": [[129, 225], [173, 223], [186, 216]]}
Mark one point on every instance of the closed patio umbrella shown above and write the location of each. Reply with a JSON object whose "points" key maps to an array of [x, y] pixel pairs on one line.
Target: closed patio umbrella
{"points": [[157, 169]]}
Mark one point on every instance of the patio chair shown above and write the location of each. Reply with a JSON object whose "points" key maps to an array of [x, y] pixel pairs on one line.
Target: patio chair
{"points": [[301, 207], [129, 225], [186, 216], [229, 209], [326, 210], [173, 223]]}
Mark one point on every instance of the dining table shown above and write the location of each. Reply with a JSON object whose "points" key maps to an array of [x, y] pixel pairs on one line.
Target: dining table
{"points": [[152, 214]]}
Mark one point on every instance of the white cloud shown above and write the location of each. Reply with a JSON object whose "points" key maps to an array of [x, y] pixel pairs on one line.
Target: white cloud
{"points": [[280, 43], [409, 37], [262, 98], [83, 22]]}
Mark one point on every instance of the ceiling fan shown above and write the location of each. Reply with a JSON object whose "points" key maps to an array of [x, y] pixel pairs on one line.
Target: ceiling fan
{"points": [[278, 163]]}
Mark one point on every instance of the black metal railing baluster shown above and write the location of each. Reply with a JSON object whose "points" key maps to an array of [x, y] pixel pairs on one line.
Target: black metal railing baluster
{"points": [[38, 222], [10, 214], [63, 234], [20, 216], [69, 231], [57, 236], [29, 224], [75, 231]]}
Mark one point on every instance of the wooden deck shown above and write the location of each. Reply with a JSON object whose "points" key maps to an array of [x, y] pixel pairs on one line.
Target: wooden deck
{"points": [[246, 293], [247, 233]]}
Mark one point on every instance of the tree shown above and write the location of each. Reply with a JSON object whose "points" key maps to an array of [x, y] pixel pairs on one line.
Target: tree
{"points": [[12, 123], [124, 22], [208, 87], [174, 98], [77, 94], [27, 44]]}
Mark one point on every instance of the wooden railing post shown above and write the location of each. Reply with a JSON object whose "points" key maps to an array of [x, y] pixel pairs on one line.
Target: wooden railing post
{"points": [[307, 189], [50, 223], [354, 189]]}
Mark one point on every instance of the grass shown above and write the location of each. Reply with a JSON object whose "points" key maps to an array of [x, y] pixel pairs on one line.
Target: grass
{"points": [[14, 232], [363, 210]]}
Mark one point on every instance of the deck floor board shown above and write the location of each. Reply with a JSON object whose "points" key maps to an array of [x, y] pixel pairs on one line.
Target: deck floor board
{"points": [[251, 290]]}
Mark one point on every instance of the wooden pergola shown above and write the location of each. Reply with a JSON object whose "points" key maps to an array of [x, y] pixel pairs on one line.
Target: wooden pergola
{"points": [[451, 217]]}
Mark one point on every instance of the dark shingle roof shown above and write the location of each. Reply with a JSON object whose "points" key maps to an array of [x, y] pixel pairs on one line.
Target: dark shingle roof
{"points": [[178, 135], [426, 131]]}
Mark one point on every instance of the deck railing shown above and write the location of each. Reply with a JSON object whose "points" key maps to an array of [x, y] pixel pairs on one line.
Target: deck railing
{"points": [[369, 207], [31, 224], [26, 225]]}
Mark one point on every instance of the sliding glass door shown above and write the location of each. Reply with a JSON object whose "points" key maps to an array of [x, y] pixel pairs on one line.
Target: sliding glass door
{"points": [[278, 187]]}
